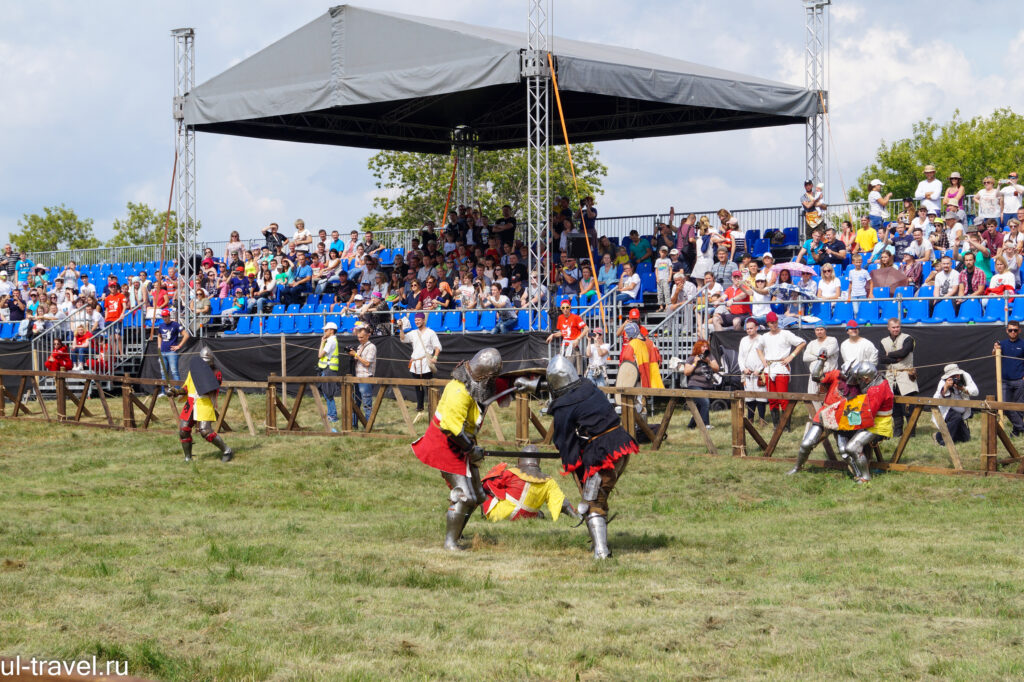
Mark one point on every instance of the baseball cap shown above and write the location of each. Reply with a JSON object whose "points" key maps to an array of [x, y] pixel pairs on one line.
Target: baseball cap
{"points": [[771, 317], [331, 325], [761, 277], [165, 313], [597, 330], [634, 313], [674, 252], [874, 182], [767, 254], [852, 324], [3, 274], [357, 297], [564, 302], [736, 273]]}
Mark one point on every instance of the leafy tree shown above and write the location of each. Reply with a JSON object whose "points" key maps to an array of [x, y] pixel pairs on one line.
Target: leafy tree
{"points": [[976, 148], [144, 225], [415, 186], [58, 228]]}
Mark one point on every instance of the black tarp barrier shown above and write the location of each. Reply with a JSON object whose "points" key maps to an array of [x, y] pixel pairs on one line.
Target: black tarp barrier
{"points": [[16, 355], [255, 358], [934, 347]]}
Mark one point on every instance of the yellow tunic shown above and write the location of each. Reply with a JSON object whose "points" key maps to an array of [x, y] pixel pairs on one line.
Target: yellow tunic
{"points": [[457, 411], [202, 406], [535, 493]]}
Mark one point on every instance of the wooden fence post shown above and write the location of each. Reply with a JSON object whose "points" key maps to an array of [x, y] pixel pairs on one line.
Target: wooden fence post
{"points": [[989, 459], [127, 406], [739, 432], [271, 416], [62, 399]]}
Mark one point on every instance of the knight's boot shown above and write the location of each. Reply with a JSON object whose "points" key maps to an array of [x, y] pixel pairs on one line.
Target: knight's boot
{"points": [[226, 453], [865, 467], [455, 522], [851, 461], [186, 446], [801, 458], [597, 524]]}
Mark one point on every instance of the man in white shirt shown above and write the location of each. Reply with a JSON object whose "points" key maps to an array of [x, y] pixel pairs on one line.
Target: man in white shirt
{"points": [[777, 350], [425, 349], [821, 346], [929, 190], [5, 286], [856, 348], [945, 279], [1011, 196], [87, 289], [920, 248]]}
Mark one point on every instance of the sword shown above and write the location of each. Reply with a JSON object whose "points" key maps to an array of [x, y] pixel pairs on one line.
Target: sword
{"points": [[510, 454]]}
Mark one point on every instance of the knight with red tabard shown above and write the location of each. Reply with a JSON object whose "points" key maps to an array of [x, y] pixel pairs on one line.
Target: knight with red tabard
{"points": [[857, 408]]}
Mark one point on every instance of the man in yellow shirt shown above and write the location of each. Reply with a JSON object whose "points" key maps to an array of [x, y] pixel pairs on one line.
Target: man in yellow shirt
{"points": [[866, 236]]}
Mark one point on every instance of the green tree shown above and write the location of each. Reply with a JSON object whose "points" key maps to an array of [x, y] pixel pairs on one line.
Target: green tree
{"points": [[144, 225], [414, 186], [58, 228], [978, 147]]}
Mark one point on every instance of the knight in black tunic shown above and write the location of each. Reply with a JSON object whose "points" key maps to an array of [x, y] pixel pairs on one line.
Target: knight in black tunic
{"points": [[593, 445]]}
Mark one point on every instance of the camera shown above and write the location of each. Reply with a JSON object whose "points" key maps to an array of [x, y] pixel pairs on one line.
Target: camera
{"points": [[958, 381], [350, 349]]}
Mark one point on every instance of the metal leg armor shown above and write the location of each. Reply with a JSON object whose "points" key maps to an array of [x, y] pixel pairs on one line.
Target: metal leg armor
{"points": [[597, 524], [851, 449], [465, 495], [814, 434], [185, 436], [207, 432]]}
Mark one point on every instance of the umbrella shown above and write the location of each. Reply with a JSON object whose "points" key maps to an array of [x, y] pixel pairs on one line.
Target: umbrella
{"points": [[888, 277], [784, 290], [796, 269]]}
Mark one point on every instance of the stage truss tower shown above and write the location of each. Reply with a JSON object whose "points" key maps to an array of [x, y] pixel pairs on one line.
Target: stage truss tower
{"points": [[538, 132], [815, 79], [464, 144], [184, 244]]}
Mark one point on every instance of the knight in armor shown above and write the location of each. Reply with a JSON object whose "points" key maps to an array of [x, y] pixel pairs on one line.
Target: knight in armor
{"points": [[449, 444], [857, 407], [201, 386], [519, 492], [593, 445]]}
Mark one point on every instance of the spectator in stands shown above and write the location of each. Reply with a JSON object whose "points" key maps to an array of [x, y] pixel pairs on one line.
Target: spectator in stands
{"points": [[80, 348], [239, 305], [737, 239], [736, 307], [848, 236], [972, 279], [639, 249], [1012, 255], [950, 235], [427, 298], [365, 361], [867, 237], [953, 199], [856, 348], [568, 276], [860, 279], [992, 237], [302, 240], [446, 299], [538, 295], [349, 252], [834, 249], [18, 312], [812, 200], [336, 242], [200, 305], [929, 190], [588, 285], [299, 281], [23, 269], [275, 241], [988, 201], [412, 297], [705, 247], [8, 261], [234, 248], [663, 277], [955, 384], [877, 204], [921, 220], [813, 250], [505, 226], [5, 286], [723, 268], [711, 294], [920, 249], [911, 269], [1003, 281], [686, 239], [329, 274], [370, 245], [1015, 233], [1009, 198], [608, 274], [629, 284], [506, 318], [829, 287], [597, 358], [605, 247], [266, 292]]}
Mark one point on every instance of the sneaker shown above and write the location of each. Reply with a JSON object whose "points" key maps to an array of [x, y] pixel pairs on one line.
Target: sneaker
{"points": [[418, 416]]}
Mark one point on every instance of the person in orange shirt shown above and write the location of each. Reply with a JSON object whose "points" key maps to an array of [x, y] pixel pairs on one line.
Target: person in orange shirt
{"points": [[115, 305], [571, 330]]}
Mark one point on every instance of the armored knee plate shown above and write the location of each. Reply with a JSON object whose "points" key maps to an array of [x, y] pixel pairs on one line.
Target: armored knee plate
{"points": [[814, 434], [851, 449], [455, 522], [462, 489], [597, 524]]}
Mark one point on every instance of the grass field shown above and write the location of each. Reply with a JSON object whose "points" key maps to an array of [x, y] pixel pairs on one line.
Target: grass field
{"points": [[321, 559]]}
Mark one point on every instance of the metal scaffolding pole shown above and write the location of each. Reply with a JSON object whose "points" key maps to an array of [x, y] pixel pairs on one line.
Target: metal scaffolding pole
{"points": [[464, 144], [538, 133], [185, 180], [815, 40]]}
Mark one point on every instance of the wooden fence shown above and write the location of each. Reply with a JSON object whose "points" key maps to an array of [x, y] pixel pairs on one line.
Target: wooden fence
{"points": [[133, 404]]}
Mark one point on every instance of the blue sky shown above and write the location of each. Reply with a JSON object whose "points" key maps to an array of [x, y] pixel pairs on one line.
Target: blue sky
{"points": [[86, 121]]}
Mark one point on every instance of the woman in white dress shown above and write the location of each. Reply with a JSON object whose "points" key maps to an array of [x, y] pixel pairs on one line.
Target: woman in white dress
{"points": [[751, 368], [706, 245]]}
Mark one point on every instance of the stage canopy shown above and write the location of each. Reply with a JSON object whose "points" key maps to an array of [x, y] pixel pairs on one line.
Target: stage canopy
{"points": [[366, 78]]}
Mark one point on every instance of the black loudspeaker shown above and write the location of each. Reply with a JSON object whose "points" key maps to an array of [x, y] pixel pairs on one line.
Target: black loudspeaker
{"points": [[577, 244]]}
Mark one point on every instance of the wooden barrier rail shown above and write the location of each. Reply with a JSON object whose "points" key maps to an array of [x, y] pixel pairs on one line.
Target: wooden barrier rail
{"points": [[141, 401]]}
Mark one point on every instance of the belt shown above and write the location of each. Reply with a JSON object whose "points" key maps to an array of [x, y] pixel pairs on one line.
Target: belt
{"points": [[607, 431]]}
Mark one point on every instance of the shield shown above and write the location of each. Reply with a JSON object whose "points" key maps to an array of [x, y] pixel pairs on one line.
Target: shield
{"points": [[796, 269], [203, 377]]}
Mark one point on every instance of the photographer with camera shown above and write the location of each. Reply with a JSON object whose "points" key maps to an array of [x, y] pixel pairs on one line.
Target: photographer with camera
{"points": [[955, 384], [700, 370], [364, 358]]}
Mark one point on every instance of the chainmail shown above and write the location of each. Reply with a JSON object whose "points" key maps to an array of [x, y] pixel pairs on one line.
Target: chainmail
{"points": [[479, 391]]}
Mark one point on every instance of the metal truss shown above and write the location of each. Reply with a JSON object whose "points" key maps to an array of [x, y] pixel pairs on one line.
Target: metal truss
{"points": [[535, 71], [464, 144], [814, 79], [185, 180]]}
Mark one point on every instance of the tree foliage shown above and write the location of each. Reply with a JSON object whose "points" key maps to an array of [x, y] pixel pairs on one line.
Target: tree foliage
{"points": [[414, 186], [978, 147], [58, 228], [144, 225]]}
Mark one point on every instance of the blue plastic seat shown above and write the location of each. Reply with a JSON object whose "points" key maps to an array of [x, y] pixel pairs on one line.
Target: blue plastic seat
{"points": [[905, 292], [452, 321], [472, 320], [244, 323], [915, 311], [308, 307], [792, 236], [347, 325], [995, 309], [288, 324], [488, 320], [273, 325], [524, 319], [435, 321], [943, 312], [926, 291], [880, 292], [303, 324], [970, 311], [867, 313], [888, 310], [8, 330], [842, 312]]}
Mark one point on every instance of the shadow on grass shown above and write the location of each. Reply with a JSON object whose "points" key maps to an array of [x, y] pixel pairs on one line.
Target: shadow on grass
{"points": [[639, 544]]}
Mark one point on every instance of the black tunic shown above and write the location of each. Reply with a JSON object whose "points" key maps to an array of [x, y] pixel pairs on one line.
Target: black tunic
{"points": [[586, 413]]}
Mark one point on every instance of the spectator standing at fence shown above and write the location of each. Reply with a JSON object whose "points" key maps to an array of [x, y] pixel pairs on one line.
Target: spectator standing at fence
{"points": [[639, 248], [9, 261], [423, 360], [897, 357], [686, 238], [822, 347], [856, 348], [1011, 350], [1010, 198], [274, 239], [878, 211], [172, 337], [860, 280], [929, 190], [778, 349], [302, 240], [364, 359], [988, 200], [597, 358], [955, 384], [663, 277], [752, 370]]}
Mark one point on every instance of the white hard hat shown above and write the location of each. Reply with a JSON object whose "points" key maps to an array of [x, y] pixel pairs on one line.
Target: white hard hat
{"points": [[331, 325]]}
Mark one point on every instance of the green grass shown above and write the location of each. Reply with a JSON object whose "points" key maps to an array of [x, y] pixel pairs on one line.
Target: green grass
{"points": [[321, 559]]}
